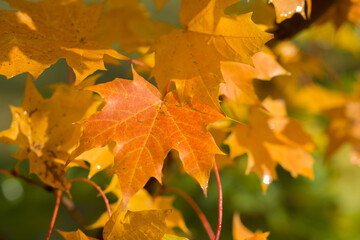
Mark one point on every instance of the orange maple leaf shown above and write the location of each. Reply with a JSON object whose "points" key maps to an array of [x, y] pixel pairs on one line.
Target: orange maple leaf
{"points": [[145, 128], [31, 40], [271, 138]]}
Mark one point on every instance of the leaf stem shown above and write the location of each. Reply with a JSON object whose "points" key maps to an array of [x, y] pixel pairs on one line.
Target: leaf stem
{"points": [[106, 201], [136, 62], [220, 207], [167, 90], [56, 209], [196, 208]]}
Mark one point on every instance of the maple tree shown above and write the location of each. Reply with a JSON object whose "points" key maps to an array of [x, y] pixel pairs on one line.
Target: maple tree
{"points": [[192, 97]]}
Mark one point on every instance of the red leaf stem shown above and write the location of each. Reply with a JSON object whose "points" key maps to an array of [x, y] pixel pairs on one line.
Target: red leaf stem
{"points": [[220, 208], [58, 197], [196, 208], [167, 90], [97, 188], [136, 62]]}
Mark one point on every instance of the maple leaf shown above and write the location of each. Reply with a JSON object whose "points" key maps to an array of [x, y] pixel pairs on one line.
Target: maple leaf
{"points": [[44, 129], [270, 139], [240, 232], [287, 8], [340, 11], [136, 30], [263, 13], [126, 225], [76, 235], [145, 127], [141, 201], [148, 224], [191, 57], [98, 158], [344, 127], [238, 77], [31, 40]]}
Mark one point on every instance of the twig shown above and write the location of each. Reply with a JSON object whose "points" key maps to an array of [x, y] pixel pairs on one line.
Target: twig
{"points": [[196, 208], [68, 204], [220, 208], [14, 173], [97, 188], [56, 209]]}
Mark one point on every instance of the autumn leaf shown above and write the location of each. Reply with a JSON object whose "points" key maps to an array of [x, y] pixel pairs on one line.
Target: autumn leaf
{"points": [[287, 8], [136, 30], [44, 129], [179, 55], [136, 225], [341, 11], [344, 128], [98, 158], [126, 225], [76, 235], [269, 139], [141, 201], [240, 232], [238, 77], [31, 40], [145, 127]]}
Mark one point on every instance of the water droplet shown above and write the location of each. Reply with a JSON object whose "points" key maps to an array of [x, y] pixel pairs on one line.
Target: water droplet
{"points": [[25, 112], [285, 14], [266, 179], [178, 142], [12, 189], [290, 12], [299, 8], [98, 166]]}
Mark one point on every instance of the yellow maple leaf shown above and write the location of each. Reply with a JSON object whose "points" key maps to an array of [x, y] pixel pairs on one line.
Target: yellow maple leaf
{"points": [[76, 235], [148, 224], [240, 232], [31, 40], [136, 30], [44, 129], [141, 201], [238, 77], [179, 55]]}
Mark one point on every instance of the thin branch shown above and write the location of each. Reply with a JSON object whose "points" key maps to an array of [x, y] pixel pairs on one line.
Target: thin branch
{"points": [[14, 173], [196, 208], [220, 207], [106, 201], [67, 203], [56, 209]]}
